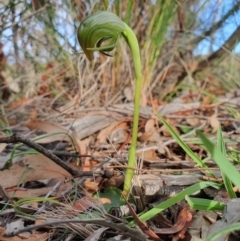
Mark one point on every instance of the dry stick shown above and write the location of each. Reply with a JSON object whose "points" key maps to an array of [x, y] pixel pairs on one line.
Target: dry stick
{"points": [[15, 138], [122, 228]]}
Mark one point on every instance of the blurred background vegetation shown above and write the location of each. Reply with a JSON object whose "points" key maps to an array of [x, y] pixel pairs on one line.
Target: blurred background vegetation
{"points": [[188, 47]]}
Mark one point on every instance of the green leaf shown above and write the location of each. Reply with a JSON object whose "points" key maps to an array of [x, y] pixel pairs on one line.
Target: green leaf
{"points": [[226, 180], [195, 158], [204, 204], [221, 160]]}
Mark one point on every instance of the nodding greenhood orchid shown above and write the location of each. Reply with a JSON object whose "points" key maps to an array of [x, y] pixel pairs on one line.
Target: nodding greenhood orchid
{"points": [[96, 29], [106, 28]]}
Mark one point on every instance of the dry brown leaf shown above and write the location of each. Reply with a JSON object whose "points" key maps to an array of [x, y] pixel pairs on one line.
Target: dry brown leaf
{"points": [[19, 102], [119, 135], [40, 167], [49, 128], [104, 135], [149, 156], [183, 221], [151, 133], [214, 123], [114, 181], [193, 121], [84, 203], [207, 100], [91, 186], [150, 124], [39, 221]]}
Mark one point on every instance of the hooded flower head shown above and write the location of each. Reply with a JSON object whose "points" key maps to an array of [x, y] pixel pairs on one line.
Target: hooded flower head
{"points": [[98, 28]]}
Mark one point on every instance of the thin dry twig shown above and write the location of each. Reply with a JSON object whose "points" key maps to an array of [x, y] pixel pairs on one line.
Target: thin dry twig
{"points": [[15, 138]]}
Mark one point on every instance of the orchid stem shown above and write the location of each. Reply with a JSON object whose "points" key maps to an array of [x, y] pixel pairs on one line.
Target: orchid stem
{"points": [[132, 41]]}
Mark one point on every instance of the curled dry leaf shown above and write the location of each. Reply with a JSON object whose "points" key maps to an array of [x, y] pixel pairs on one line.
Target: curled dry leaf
{"points": [[180, 227]]}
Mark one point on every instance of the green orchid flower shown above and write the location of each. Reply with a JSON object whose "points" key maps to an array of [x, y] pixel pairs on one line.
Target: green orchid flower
{"points": [[100, 32], [96, 29]]}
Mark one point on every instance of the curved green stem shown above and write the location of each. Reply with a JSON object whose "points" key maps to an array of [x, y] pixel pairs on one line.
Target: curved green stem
{"points": [[132, 41]]}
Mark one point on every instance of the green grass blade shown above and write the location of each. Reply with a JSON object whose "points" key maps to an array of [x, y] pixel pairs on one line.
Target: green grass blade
{"points": [[221, 146], [195, 158], [225, 166], [204, 204], [173, 200], [28, 200]]}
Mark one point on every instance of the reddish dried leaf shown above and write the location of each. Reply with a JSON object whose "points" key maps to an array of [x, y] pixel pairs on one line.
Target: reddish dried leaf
{"points": [[183, 221], [84, 203]]}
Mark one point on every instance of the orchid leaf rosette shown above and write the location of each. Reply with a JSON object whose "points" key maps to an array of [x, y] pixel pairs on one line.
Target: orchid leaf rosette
{"points": [[100, 32]]}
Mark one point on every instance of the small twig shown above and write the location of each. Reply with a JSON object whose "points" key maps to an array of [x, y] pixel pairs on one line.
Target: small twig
{"points": [[122, 228], [15, 138]]}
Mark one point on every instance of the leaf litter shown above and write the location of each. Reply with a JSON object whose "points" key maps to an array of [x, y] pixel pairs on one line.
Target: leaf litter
{"points": [[106, 139]]}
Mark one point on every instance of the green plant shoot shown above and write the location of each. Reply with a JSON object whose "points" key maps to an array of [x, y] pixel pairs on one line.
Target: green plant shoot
{"points": [[106, 27]]}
